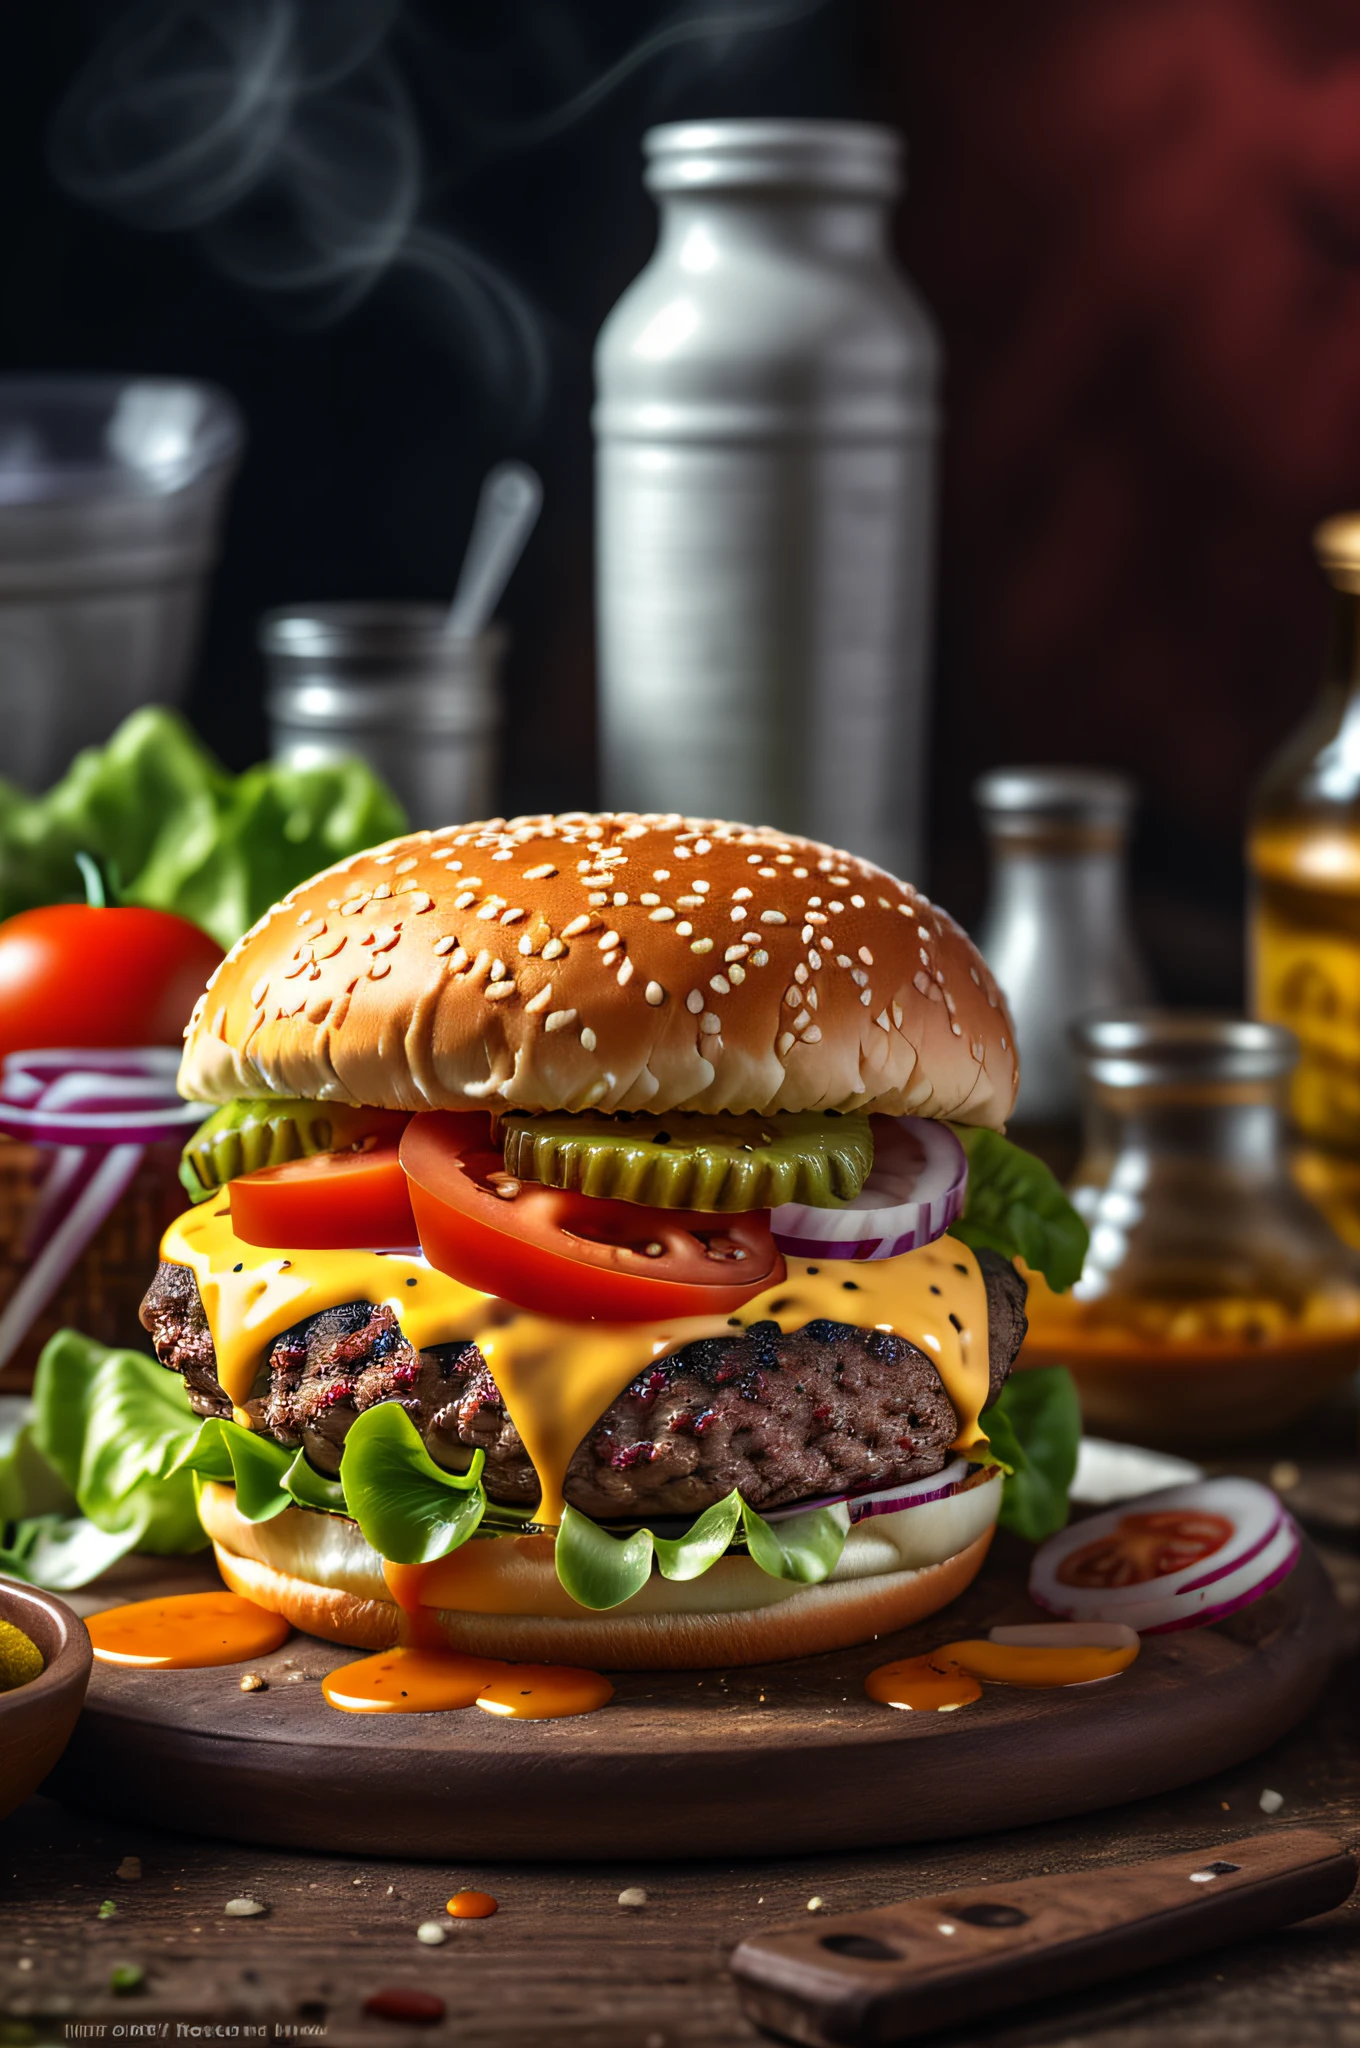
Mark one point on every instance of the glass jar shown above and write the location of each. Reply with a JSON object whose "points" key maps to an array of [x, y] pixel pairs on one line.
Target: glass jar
{"points": [[1215, 1302], [1303, 853]]}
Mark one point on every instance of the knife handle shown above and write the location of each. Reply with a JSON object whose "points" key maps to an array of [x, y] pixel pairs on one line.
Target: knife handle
{"points": [[896, 1973]]}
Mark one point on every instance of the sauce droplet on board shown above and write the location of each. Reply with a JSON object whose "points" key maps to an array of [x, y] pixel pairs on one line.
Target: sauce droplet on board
{"points": [[923, 1684], [409, 1682], [1047, 1665], [545, 1692], [472, 1906], [187, 1632]]}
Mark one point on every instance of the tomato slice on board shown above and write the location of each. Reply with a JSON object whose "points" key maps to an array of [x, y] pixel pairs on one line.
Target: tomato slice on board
{"points": [[562, 1253], [330, 1202]]}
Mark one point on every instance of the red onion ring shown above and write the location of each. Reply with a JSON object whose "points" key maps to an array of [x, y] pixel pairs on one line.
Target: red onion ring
{"points": [[916, 1188], [97, 1108], [912, 1493]]}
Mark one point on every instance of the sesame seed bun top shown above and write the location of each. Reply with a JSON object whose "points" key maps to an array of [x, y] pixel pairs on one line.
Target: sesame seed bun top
{"points": [[612, 962]]}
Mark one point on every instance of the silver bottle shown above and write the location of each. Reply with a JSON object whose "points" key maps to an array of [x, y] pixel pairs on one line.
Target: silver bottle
{"points": [[765, 427], [1055, 931]]}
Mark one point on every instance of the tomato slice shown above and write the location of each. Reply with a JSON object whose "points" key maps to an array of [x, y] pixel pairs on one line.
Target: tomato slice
{"points": [[330, 1202], [566, 1254]]}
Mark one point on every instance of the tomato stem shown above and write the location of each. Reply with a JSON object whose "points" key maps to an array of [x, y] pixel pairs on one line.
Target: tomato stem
{"points": [[100, 879]]}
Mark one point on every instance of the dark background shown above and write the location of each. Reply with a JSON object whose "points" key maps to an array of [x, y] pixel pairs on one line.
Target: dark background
{"points": [[1138, 225]]}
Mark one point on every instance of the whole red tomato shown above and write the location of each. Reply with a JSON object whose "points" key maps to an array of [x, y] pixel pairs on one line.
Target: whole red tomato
{"points": [[74, 974]]}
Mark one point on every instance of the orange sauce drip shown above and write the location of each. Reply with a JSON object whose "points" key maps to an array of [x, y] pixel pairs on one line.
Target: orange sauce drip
{"points": [[472, 1906], [924, 1685], [1031, 1665], [406, 1584], [545, 1692], [409, 1681], [186, 1632]]}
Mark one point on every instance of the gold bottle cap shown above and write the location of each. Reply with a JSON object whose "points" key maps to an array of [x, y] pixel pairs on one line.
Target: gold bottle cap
{"points": [[1336, 543]]}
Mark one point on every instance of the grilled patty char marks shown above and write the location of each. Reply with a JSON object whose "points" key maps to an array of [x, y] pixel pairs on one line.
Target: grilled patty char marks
{"points": [[784, 1417]]}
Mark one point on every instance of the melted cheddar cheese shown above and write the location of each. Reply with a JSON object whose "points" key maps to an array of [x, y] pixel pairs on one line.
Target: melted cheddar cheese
{"points": [[556, 1378]]}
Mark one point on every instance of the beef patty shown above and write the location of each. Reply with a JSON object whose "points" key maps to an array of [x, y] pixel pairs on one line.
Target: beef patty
{"points": [[783, 1416]]}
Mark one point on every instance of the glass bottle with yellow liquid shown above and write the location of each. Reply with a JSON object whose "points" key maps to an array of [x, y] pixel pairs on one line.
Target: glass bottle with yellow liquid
{"points": [[1303, 852]]}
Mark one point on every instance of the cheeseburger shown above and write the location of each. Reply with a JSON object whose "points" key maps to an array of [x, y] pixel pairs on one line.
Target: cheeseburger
{"points": [[570, 1263]]}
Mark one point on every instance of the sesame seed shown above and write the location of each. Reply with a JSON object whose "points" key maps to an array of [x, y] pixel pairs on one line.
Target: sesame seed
{"points": [[494, 990], [866, 956], [976, 976], [741, 895], [800, 874], [599, 897], [957, 1030], [588, 1039], [526, 944], [866, 997], [859, 977], [842, 959], [577, 925], [625, 974], [721, 985], [541, 1000], [785, 1042], [703, 846], [684, 928], [260, 990], [793, 995], [465, 900], [662, 916], [690, 902], [808, 934], [354, 904], [814, 961], [835, 906], [540, 874], [751, 938], [418, 902], [882, 1021], [1003, 1045], [694, 1001], [554, 950], [813, 1035], [736, 953], [760, 958], [921, 932], [513, 916], [498, 970], [801, 1020], [620, 898], [608, 942], [766, 874], [558, 1020], [858, 902], [710, 1024], [504, 854], [816, 917], [379, 967], [738, 974], [458, 959], [661, 874], [773, 917], [897, 1015], [446, 944], [655, 994], [977, 1048], [701, 946], [382, 891], [649, 897], [739, 915]]}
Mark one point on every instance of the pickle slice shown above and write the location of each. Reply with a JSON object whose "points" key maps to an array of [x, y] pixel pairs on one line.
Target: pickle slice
{"points": [[267, 1130], [695, 1162]]}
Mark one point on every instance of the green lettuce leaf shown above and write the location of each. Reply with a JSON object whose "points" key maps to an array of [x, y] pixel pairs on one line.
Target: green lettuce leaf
{"points": [[234, 1455], [183, 834], [87, 1468], [1017, 1208], [311, 1489], [805, 1547], [601, 1570], [410, 1509], [1033, 1433]]}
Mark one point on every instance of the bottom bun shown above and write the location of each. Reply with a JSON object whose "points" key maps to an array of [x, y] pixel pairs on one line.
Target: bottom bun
{"points": [[347, 1601]]}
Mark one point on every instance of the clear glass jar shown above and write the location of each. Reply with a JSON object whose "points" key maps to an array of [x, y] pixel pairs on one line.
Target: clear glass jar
{"points": [[1216, 1302]]}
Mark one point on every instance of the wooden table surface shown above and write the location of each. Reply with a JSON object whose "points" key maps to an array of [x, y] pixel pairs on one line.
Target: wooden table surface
{"points": [[562, 1964]]}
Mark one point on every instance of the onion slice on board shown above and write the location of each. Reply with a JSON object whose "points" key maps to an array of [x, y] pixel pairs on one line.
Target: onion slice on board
{"points": [[1175, 1559], [915, 1190]]}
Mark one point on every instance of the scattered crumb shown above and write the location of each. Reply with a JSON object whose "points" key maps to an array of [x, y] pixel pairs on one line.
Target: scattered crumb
{"points": [[633, 1895], [1285, 1476], [107, 1909], [1224, 1804], [1270, 1802], [130, 1867], [253, 1682], [243, 1909], [295, 1678], [431, 1933], [816, 1905]]}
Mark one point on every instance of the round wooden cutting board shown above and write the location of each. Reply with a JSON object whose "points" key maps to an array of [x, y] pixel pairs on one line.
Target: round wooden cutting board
{"points": [[771, 1759]]}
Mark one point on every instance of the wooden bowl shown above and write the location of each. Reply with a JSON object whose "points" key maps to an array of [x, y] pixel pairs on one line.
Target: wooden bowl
{"points": [[36, 1719]]}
